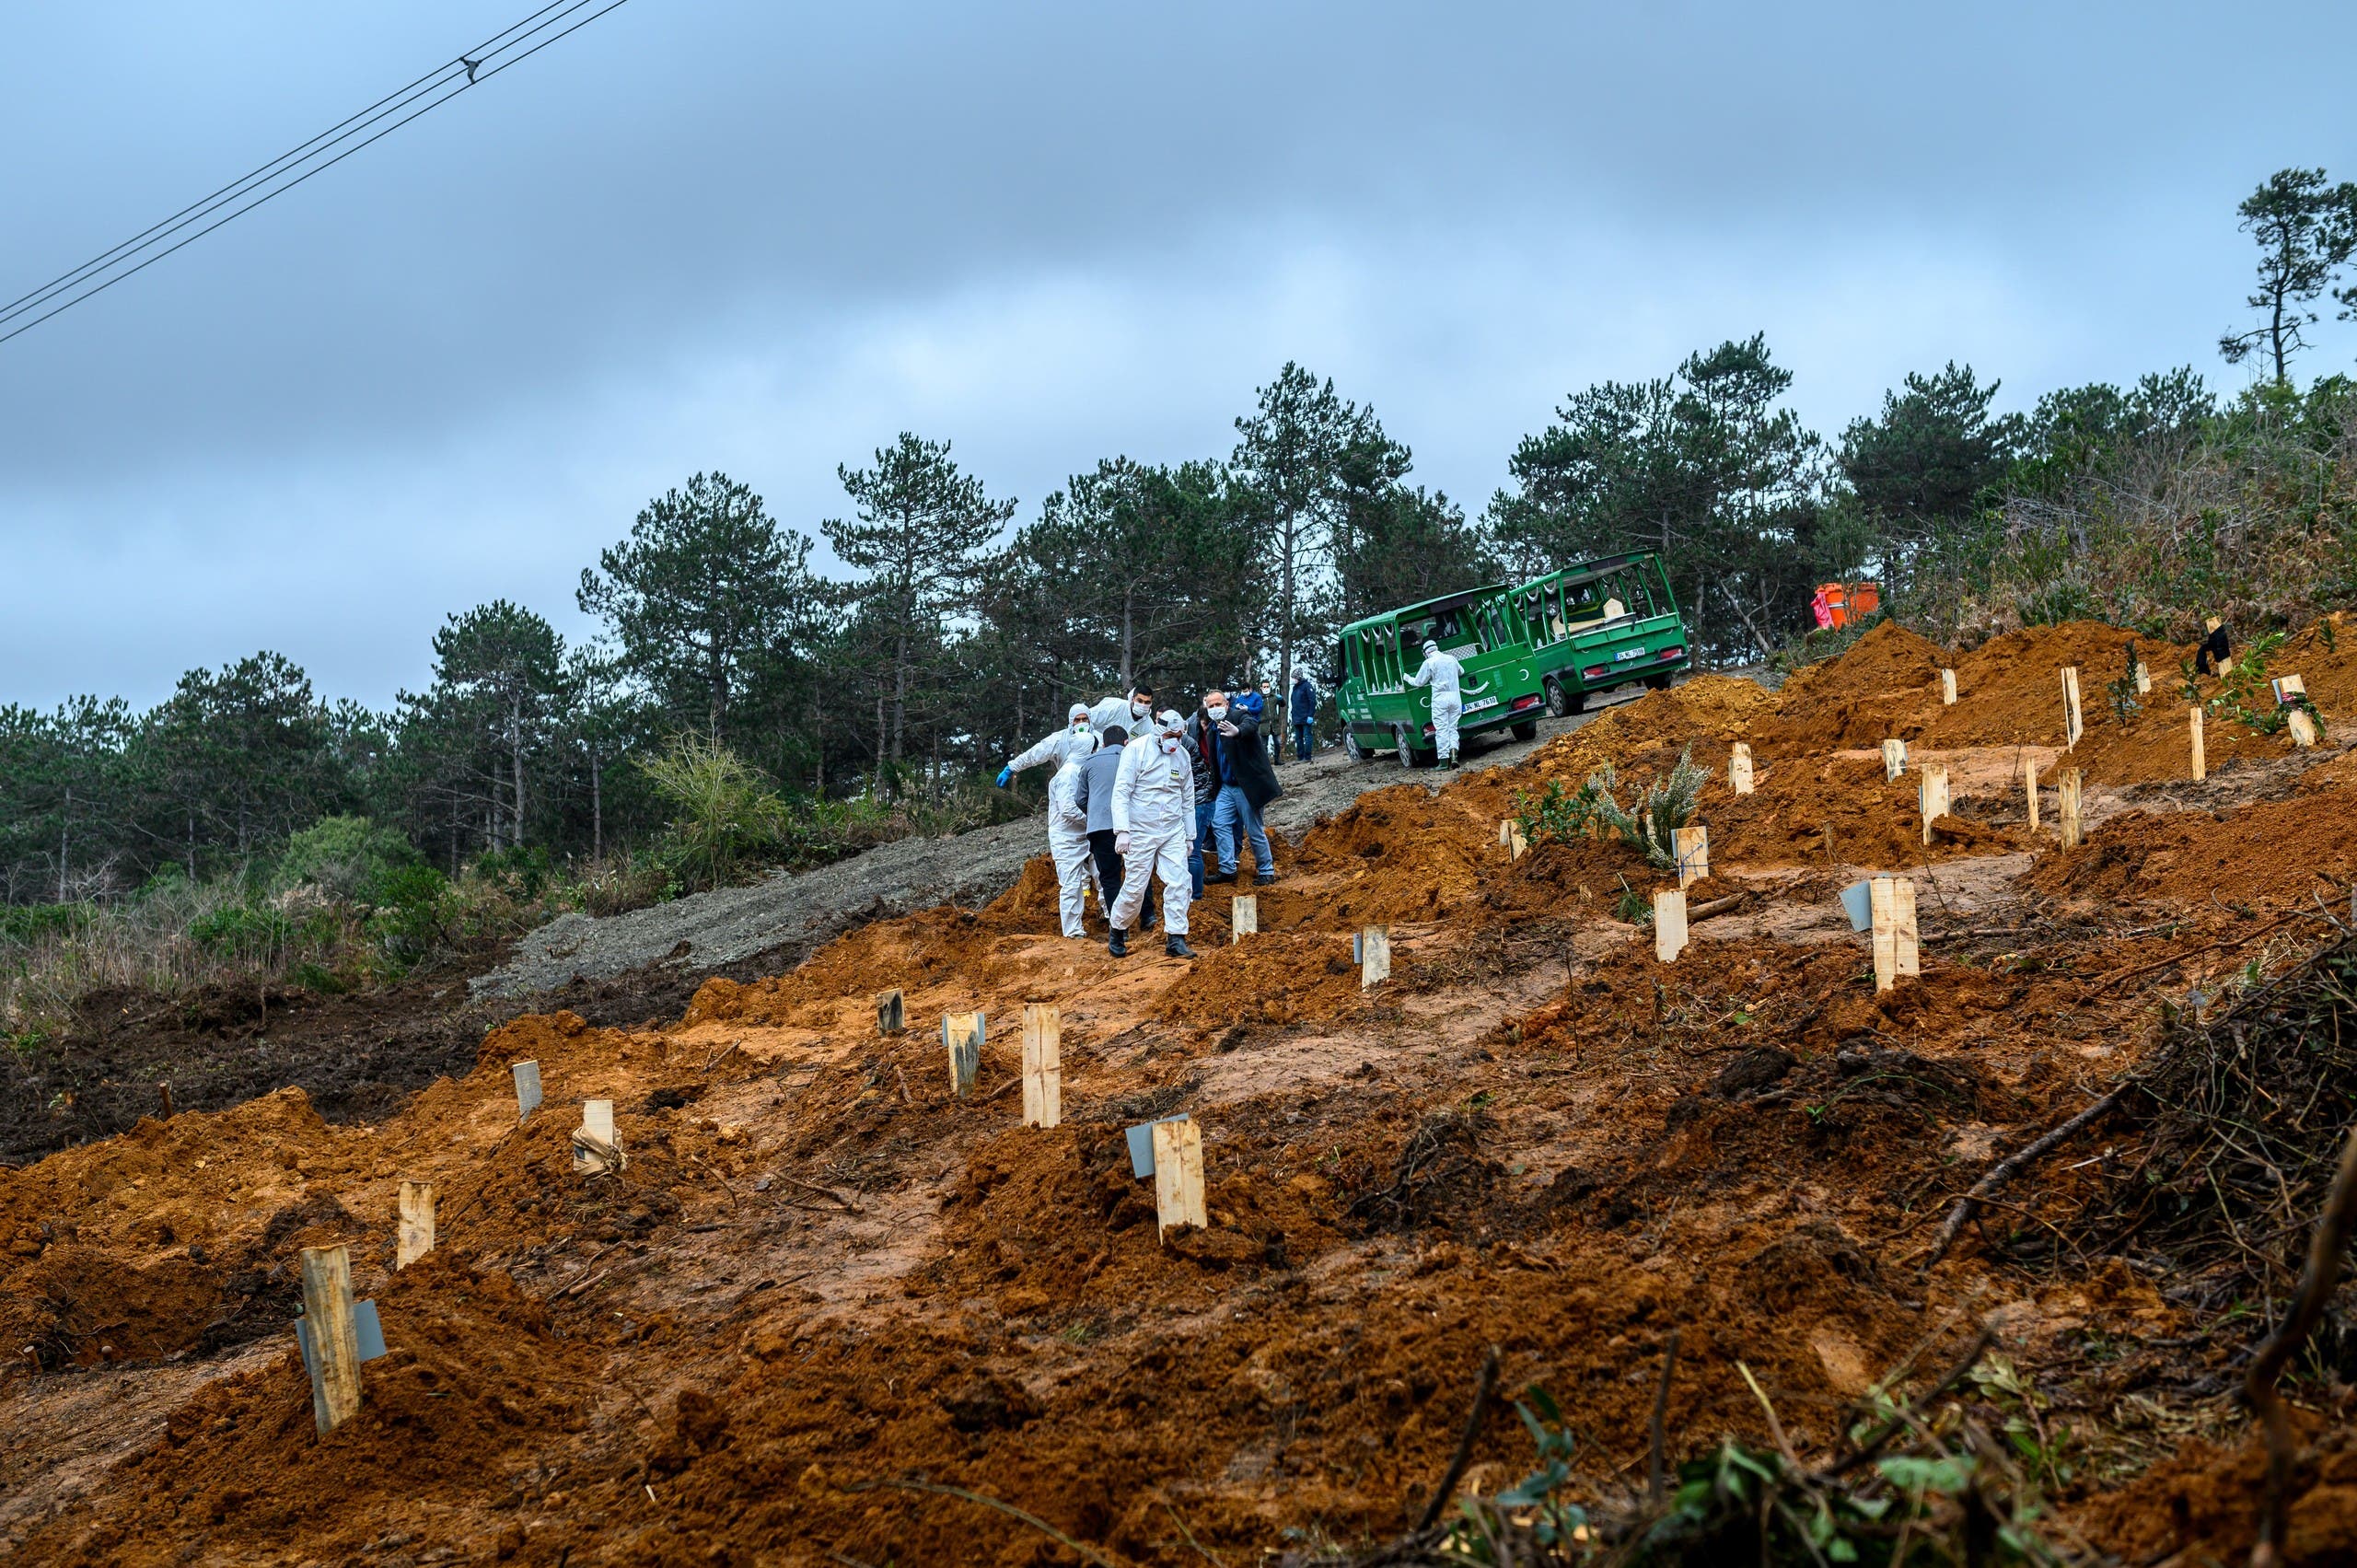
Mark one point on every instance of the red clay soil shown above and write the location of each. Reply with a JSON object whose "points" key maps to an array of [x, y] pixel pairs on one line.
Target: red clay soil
{"points": [[824, 1284]]}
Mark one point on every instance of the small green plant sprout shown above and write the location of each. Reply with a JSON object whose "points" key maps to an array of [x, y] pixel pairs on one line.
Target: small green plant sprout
{"points": [[2122, 691], [1632, 906], [1561, 813], [2243, 694]]}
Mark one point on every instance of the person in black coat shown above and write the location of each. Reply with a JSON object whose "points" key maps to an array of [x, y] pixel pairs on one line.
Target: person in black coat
{"points": [[1228, 738]]}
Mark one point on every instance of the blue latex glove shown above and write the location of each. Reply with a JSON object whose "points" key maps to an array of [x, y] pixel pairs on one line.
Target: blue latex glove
{"points": [[1006, 777]]}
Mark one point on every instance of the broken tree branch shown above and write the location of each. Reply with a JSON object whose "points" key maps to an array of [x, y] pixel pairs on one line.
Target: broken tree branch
{"points": [[2317, 1281], [1874, 1445], [1464, 1455], [1657, 1472], [2006, 1169]]}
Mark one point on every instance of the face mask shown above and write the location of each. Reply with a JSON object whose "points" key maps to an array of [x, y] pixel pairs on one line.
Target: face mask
{"points": [[1218, 713]]}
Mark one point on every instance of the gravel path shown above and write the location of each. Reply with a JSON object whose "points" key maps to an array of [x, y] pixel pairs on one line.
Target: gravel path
{"points": [[788, 915]]}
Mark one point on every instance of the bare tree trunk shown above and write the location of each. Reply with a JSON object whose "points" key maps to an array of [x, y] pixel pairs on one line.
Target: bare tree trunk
{"points": [[1129, 644], [597, 809], [64, 840], [1284, 625], [515, 752]]}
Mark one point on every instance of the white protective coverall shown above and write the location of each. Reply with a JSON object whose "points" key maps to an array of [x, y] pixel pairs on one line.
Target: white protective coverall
{"points": [[1154, 813], [1120, 711], [1077, 739], [1445, 676], [1068, 841]]}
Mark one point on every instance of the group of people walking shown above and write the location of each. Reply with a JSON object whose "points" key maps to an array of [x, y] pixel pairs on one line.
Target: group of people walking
{"points": [[1140, 797]]}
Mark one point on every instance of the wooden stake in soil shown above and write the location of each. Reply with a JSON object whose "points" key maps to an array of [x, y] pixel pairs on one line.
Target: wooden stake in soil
{"points": [[164, 1093], [2143, 679], [595, 1150], [1692, 847], [2073, 834], [1739, 768], [1669, 923], [1177, 1176], [1374, 956], [1515, 844], [2200, 762], [1243, 916], [1894, 759], [1947, 688], [2029, 789], [961, 1036], [1932, 796], [335, 1343], [415, 1237], [2072, 727], [891, 1014], [527, 1089], [2304, 728], [1891, 901], [1043, 1093]]}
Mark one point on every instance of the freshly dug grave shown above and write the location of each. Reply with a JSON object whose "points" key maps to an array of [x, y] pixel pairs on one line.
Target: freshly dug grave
{"points": [[824, 1288]]}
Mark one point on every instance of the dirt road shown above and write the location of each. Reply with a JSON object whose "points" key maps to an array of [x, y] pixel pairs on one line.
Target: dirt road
{"points": [[785, 916]]}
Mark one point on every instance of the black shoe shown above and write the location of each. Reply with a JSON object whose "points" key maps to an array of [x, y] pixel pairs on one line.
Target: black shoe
{"points": [[1145, 922], [1177, 947], [1264, 878], [1120, 946]]}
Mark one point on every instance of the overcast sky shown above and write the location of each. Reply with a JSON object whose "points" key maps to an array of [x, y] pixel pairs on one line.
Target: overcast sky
{"points": [[767, 236]]}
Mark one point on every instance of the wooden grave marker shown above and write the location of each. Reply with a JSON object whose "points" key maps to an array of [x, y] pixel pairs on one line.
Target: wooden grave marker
{"points": [[1374, 955], [334, 1341], [1894, 759], [1517, 845], [1177, 1176], [2071, 725], [962, 1035], [415, 1237], [2200, 762], [1739, 768], [1043, 1093], [2143, 679], [2292, 694], [891, 1013], [595, 1150], [527, 1089], [1692, 847], [1669, 923], [1947, 688], [1243, 917], [2302, 729], [1932, 796], [1898, 952], [2029, 790], [2073, 830]]}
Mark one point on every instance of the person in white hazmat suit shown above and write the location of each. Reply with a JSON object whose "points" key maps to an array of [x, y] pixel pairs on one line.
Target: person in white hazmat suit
{"points": [[1083, 726], [1445, 676], [1068, 842], [1154, 821]]}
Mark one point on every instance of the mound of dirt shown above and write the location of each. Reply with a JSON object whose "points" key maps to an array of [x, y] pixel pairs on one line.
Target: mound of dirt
{"points": [[1879, 687], [2267, 853]]}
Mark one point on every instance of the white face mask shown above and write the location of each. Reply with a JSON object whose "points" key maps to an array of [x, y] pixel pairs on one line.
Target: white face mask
{"points": [[1137, 709], [1217, 712]]}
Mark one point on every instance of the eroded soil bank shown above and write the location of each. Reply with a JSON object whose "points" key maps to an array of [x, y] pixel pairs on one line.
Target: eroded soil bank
{"points": [[823, 1283]]}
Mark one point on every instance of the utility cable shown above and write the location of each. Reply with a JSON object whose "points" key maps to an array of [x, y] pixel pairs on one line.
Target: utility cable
{"points": [[297, 154], [475, 76]]}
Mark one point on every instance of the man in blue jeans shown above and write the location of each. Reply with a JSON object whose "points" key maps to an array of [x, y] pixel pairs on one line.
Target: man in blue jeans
{"points": [[1239, 764], [1302, 707], [1202, 740]]}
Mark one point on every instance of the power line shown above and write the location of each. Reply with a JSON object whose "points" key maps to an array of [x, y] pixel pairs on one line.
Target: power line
{"points": [[473, 65]]}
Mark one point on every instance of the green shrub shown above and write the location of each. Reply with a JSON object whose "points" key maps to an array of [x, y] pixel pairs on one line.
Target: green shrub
{"points": [[29, 923], [250, 933], [725, 815], [414, 914], [347, 857]]}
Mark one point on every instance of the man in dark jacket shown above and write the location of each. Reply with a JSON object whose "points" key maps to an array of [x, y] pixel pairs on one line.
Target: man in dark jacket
{"points": [[1301, 708], [1229, 738], [1201, 740]]}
